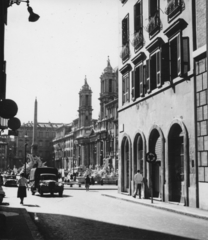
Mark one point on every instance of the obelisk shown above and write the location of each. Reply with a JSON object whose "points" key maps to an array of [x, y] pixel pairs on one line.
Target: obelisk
{"points": [[34, 146]]}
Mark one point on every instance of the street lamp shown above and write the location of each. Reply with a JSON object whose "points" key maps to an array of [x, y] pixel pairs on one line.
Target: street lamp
{"points": [[33, 16], [25, 157]]}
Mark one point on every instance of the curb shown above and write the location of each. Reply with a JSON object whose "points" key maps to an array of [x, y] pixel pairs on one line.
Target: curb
{"points": [[159, 207], [31, 225]]}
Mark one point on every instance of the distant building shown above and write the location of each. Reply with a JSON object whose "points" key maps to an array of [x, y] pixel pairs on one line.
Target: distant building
{"points": [[163, 99], [86, 141], [45, 134]]}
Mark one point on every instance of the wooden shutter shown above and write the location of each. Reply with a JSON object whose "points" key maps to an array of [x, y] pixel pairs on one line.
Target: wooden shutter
{"points": [[123, 90], [141, 81], [185, 54], [127, 29], [148, 87], [179, 54], [144, 80], [158, 149], [158, 69], [165, 71], [133, 85], [127, 88]]}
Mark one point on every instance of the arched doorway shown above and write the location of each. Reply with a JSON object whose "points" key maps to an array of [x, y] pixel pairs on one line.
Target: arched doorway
{"points": [[125, 150], [176, 163], [155, 146], [138, 160]]}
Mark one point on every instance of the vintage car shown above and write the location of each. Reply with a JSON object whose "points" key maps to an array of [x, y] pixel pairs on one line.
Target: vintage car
{"points": [[45, 180], [9, 181]]}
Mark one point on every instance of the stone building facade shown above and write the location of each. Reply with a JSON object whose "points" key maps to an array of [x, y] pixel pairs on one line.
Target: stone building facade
{"points": [[163, 91], [86, 141]]}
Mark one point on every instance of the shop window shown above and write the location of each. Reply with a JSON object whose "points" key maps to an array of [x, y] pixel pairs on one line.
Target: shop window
{"points": [[125, 39]]}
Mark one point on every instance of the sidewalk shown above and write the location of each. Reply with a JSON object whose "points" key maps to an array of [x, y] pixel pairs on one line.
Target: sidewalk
{"points": [[172, 207], [17, 224]]}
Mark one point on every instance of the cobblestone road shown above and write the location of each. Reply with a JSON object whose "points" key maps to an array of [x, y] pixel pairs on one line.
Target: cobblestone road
{"points": [[88, 215]]}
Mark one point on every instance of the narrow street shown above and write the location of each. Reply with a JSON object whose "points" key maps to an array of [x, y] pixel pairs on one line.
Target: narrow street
{"points": [[89, 215]]}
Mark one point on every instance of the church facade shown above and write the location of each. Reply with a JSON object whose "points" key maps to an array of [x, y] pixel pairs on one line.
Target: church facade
{"points": [[86, 141]]}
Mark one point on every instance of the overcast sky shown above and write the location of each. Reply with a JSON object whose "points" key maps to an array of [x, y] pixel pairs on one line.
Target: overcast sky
{"points": [[49, 59]]}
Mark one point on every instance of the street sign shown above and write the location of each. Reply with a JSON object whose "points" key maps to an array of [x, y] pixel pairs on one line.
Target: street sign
{"points": [[151, 157]]}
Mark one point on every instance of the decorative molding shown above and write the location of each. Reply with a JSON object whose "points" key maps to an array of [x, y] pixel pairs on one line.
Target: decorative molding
{"points": [[177, 26]]}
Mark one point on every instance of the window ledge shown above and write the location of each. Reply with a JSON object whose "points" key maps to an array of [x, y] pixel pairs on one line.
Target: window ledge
{"points": [[177, 26]]}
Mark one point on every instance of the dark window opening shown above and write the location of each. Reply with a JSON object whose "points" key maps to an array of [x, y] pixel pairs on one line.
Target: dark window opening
{"points": [[153, 72]]}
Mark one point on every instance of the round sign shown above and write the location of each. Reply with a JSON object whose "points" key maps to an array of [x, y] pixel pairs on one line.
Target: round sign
{"points": [[151, 157], [8, 108], [14, 123]]}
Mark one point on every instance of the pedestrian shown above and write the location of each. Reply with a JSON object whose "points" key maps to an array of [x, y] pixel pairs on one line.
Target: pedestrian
{"points": [[22, 184], [92, 181], [87, 183], [138, 179]]}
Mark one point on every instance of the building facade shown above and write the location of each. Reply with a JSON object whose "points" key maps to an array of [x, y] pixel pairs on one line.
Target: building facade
{"points": [[89, 142], [163, 91]]}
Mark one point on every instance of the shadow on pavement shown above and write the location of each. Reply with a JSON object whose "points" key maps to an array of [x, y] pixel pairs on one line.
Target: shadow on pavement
{"points": [[62, 227], [30, 205]]}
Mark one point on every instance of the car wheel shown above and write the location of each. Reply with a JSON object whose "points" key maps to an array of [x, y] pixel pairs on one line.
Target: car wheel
{"points": [[60, 194], [51, 193]]}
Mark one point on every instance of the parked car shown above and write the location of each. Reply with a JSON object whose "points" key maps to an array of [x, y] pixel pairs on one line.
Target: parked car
{"points": [[9, 181]]}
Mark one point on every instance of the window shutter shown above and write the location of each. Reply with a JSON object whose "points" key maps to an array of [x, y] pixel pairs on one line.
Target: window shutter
{"points": [[165, 74], [127, 88], [185, 54], [158, 69], [148, 87], [123, 90], [144, 80], [133, 86], [141, 81], [179, 54], [127, 29]]}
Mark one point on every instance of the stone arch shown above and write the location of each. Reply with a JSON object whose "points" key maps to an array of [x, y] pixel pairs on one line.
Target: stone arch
{"points": [[139, 157], [156, 171], [177, 147], [126, 156]]}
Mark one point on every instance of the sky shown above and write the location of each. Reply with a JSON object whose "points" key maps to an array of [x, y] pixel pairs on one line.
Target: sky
{"points": [[50, 58]]}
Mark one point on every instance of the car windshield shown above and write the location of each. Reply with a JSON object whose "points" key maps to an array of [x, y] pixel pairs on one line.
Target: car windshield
{"points": [[48, 177]]}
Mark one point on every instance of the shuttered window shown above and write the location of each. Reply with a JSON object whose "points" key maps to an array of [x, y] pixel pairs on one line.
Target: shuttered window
{"points": [[133, 86], [125, 89], [179, 55]]}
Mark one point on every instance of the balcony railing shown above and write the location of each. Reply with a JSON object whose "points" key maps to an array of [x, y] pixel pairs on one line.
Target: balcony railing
{"points": [[154, 24], [174, 6], [125, 52], [138, 40]]}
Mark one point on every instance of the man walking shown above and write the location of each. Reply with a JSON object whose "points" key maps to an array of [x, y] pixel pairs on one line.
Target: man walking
{"points": [[138, 179]]}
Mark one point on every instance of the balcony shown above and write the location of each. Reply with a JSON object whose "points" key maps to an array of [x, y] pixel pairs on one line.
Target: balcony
{"points": [[154, 25], [125, 52], [138, 40], [173, 7]]}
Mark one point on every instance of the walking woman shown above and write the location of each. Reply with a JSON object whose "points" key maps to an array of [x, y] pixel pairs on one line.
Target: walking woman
{"points": [[22, 184]]}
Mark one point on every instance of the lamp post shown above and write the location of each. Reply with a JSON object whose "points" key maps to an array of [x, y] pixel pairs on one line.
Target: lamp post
{"points": [[33, 17], [25, 157]]}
